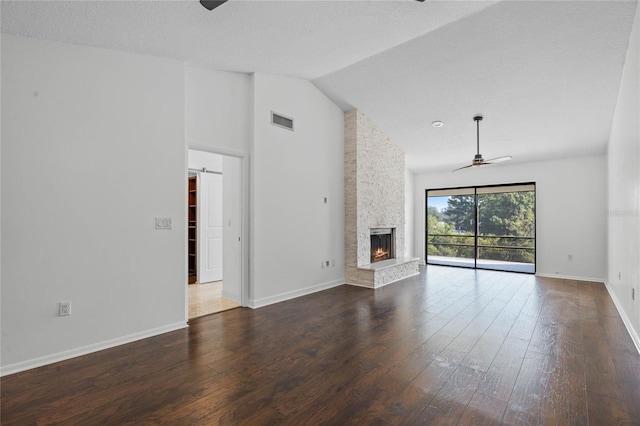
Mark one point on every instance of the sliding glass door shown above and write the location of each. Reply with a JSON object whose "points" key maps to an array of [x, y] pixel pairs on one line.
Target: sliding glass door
{"points": [[488, 227]]}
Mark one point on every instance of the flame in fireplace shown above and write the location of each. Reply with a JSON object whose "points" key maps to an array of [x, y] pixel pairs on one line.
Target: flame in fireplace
{"points": [[380, 254]]}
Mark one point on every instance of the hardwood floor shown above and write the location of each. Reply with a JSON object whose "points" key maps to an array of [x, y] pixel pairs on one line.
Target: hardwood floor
{"points": [[206, 299], [450, 346]]}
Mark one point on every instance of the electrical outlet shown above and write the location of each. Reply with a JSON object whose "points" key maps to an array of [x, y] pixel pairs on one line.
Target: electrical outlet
{"points": [[326, 263], [570, 257], [164, 223], [64, 309]]}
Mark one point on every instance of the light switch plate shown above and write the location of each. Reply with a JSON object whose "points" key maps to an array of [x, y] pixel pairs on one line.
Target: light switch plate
{"points": [[164, 223], [64, 309]]}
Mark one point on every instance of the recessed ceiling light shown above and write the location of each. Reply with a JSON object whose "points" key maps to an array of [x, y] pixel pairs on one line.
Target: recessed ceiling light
{"points": [[437, 124]]}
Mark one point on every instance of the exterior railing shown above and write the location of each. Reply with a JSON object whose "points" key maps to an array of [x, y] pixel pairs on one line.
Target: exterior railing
{"points": [[468, 244]]}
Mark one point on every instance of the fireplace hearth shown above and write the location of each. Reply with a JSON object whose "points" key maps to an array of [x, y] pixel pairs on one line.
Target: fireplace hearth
{"points": [[382, 244]]}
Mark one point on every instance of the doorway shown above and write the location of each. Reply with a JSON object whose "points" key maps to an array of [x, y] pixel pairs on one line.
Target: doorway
{"points": [[214, 233]]}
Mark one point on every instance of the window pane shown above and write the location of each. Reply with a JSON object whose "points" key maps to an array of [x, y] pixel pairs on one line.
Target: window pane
{"points": [[450, 229], [506, 230]]}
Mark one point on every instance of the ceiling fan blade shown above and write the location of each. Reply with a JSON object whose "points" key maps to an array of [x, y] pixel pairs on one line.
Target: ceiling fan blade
{"points": [[210, 5], [463, 167], [498, 160]]}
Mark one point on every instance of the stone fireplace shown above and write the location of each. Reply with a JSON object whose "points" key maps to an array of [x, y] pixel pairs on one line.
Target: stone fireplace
{"points": [[374, 206]]}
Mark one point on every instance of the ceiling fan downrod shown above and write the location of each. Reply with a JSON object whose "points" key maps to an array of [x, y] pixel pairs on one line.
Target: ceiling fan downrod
{"points": [[477, 159], [477, 119]]}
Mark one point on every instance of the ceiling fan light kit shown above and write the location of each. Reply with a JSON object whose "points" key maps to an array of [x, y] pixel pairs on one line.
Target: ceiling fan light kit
{"points": [[477, 159]]}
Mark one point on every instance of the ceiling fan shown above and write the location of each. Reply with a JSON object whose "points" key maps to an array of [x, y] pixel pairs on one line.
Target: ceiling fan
{"points": [[210, 5], [478, 160]]}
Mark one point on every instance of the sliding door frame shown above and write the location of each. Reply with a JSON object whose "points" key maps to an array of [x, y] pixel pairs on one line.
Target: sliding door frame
{"points": [[477, 224]]}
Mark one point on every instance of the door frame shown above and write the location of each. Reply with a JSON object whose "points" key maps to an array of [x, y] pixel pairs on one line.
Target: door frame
{"points": [[244, 214]]}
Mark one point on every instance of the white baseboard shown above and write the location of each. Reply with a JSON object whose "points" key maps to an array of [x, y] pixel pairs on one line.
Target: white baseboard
{"points": [[72, 353], [569, 277], [265, 301], [625, 319]]}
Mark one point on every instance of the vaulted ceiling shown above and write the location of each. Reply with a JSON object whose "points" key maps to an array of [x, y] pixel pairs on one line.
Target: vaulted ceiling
{"points": [[545, 74]]}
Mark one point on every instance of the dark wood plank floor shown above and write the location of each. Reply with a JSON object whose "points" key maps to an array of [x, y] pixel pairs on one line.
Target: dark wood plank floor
{"points": [[450, 346]]}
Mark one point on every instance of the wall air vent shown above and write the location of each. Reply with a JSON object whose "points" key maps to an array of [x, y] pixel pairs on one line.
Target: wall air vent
{"points": [[281, 121]]}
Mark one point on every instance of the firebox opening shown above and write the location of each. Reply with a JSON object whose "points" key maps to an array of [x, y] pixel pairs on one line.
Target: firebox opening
{"points": [[382, 244]]}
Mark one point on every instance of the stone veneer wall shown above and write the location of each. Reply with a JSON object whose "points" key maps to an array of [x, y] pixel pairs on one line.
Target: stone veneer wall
{"points": [[374, 193]]}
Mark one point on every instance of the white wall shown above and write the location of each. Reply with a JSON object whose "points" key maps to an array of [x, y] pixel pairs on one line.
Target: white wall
{"points": [[92, 151], [570, 201], [93, 148], [207, 160], [624, 191], [292, 229], [217, 110]]}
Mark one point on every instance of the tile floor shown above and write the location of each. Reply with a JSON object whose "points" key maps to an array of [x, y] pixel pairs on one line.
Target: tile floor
{"points": [[206, 298]]}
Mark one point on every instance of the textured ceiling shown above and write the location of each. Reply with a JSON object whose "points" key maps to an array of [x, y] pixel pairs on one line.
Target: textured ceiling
{"points": [[545, 74]]}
